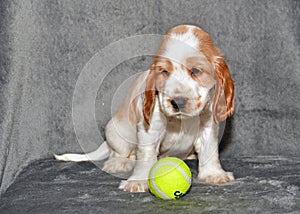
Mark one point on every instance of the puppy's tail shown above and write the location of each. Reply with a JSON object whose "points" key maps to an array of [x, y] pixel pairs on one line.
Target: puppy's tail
{"points": [[99, 154]]}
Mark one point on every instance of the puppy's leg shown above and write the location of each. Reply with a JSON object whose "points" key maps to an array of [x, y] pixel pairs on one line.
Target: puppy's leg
{"points": [[147, 151], [210, 169], [146, 157], [122, 141], [118, 164]]}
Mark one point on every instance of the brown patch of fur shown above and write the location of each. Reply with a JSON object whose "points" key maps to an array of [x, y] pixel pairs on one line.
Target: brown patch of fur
{"points": [[206, 45], [199, 104], [160, 63], [181, 29], [224, 96], [149, 99], [155, 82], [205, 78]]}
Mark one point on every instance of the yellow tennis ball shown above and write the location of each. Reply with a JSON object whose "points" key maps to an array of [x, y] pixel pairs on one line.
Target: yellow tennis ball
{"points": [[169, 178]]}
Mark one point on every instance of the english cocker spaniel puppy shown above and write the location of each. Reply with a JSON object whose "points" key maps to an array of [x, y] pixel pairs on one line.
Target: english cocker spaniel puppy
{"points": [[173, 109]]}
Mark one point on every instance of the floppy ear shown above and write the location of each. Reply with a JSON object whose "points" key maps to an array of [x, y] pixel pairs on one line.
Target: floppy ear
{"points": [[149, 99], [223, 104]]}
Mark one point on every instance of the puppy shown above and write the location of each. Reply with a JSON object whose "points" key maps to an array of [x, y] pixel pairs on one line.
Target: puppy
{"points": [[173, 109]]}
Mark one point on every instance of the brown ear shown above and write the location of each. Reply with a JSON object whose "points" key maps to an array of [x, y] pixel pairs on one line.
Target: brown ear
{"points": [[149, 99], [224, 91]]}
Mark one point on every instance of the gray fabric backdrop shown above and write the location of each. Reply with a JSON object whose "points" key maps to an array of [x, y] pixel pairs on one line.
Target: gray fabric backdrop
{"points": [[45, 45]]}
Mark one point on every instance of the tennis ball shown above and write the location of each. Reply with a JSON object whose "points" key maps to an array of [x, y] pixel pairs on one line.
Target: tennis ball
{"points": [[169, 178]]}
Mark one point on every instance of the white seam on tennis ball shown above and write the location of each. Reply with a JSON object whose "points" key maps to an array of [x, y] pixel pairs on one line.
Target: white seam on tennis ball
{"points": [[163, 195], [162, 164]]}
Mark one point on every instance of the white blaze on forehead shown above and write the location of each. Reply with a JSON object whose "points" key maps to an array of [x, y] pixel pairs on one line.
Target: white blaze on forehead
{"points": [[179, 47], [188, 38]]}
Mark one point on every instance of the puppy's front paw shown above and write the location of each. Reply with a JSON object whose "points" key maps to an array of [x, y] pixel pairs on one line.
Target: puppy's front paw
{"points": [[134, 186], [118, 165], [219, 177]]}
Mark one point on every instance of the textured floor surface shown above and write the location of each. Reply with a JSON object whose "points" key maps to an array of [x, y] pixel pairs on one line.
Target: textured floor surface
{"points": [[263, 185]]}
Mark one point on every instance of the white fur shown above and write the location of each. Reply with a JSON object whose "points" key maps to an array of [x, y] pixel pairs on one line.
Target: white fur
{"points": [[181, 46], [189, 133]]}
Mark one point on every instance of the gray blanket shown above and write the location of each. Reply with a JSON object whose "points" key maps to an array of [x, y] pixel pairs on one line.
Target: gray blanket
{"points": [[264, 184]]}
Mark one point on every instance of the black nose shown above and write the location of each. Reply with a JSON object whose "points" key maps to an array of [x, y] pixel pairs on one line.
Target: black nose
{"points": [[178, 103]]}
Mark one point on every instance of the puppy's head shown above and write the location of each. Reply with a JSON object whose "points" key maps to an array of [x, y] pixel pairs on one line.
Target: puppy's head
{"points": [[187, 72]]}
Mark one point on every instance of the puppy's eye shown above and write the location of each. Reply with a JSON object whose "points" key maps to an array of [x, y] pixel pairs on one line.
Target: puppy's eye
{"points": [[165, 72], [196, 71]]}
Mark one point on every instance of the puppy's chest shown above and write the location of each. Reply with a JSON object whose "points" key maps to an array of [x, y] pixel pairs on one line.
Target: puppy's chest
{"points": [[180, 137]]}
